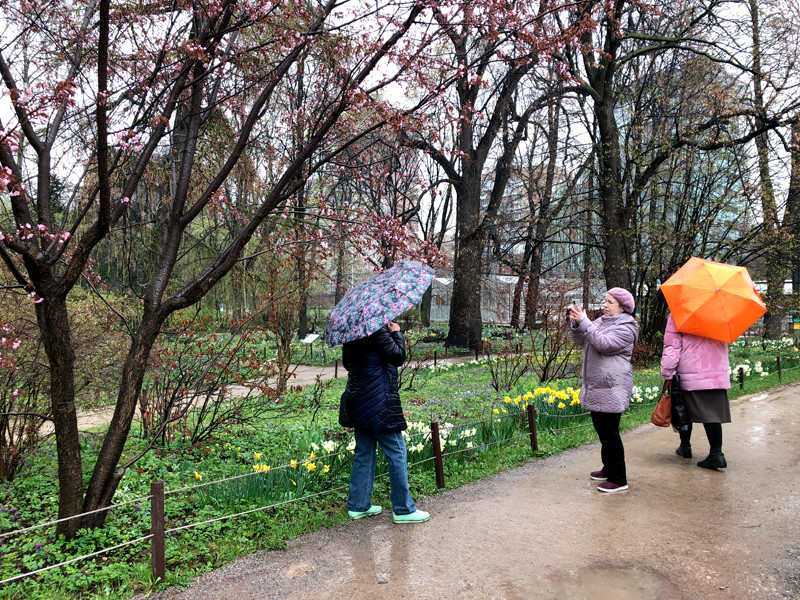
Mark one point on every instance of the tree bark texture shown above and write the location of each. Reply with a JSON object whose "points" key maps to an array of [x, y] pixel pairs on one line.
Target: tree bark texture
{"points": [[53, 320]]}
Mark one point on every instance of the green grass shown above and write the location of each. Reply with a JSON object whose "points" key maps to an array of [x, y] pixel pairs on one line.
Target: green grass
{"points": [[457, 395]]}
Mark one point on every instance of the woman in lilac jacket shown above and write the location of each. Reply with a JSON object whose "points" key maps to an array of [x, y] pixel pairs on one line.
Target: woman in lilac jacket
{"points": [[608, 378], [704, 370]]}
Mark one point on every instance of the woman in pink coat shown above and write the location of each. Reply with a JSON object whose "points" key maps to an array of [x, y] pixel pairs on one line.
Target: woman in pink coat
{"points": [[704, 370]]}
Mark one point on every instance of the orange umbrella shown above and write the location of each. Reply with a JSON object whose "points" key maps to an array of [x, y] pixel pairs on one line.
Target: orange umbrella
{"points": [[712, 299]]}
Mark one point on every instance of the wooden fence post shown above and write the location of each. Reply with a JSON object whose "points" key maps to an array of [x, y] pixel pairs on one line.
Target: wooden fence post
{"points": [[532, 428], [434, 359], [741, 378], [158, 559], [780, 372], [438, 462]]}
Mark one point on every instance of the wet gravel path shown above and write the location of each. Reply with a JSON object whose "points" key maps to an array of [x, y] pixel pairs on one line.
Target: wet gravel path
{"points": [[542, 531]]}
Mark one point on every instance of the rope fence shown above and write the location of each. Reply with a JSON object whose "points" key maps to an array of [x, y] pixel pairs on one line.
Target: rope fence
{"points": [[158, 494], [78, 516]]}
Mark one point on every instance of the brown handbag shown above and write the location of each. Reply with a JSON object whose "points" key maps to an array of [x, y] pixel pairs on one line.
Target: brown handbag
{"points": [[662, 415]]}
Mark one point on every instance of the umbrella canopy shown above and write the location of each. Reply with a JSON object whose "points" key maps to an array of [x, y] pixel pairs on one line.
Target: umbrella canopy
{"points": [[712, 299], [381, 298]]}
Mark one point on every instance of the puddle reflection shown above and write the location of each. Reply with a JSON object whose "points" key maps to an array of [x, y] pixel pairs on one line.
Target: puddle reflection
{"points": [[609, 583], [382, 558]]}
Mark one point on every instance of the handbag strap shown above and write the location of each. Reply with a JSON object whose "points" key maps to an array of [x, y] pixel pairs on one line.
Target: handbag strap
{"points": [[667, 387]]}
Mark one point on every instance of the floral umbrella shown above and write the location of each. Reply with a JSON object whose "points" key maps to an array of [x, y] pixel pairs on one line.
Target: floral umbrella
{"points": [[381, 298], [713, 300]]}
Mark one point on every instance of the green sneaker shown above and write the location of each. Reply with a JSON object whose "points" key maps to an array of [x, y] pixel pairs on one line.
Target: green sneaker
{"points": [[370, 512], [418, 516]]}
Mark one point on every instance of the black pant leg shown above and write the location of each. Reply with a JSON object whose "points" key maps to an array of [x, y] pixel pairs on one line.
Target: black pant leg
{"points": [[714, 434], [686, 436], [612, 451]]}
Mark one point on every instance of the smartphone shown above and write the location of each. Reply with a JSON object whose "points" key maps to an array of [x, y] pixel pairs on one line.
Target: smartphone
{"points": [[566, 318]]}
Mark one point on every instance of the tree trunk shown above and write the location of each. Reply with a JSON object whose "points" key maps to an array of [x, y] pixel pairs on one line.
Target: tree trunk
{"points": [[53, 320], [534, 277], [466, 323], [775, 268], [425, 307], [791, 218], [341, 285], [516, 302], [107, 474], [617, 264], [543, 220]]}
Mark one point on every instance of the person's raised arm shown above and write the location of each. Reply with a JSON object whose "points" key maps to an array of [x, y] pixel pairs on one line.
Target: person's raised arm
{"points": [[391, 344]]}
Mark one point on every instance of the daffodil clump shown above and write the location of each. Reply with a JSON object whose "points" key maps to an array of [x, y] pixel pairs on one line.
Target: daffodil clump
{"points": [[749, 368], [543, 397], [764, 344], [448, 366], [267, 477], [642, 395], [418, 438]]}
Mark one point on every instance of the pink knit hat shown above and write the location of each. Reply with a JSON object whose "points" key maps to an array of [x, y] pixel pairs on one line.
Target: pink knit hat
{"points": [[624, 297]]}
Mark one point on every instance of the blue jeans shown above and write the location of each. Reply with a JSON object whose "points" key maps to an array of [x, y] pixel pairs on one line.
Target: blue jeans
{"points": [[363, 474]]}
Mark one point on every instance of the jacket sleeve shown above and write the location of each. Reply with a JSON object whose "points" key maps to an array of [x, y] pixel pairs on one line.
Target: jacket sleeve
{"points": [[346, 363], [671, 354], [607, 341], [577, 332], [391, 346]]}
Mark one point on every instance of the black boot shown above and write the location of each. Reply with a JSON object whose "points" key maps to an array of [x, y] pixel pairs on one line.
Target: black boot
{"points": [[713, 461], [684, 451]]}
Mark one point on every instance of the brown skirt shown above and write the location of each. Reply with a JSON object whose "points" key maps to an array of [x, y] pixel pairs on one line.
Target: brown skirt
{"points": [[708, 406]]}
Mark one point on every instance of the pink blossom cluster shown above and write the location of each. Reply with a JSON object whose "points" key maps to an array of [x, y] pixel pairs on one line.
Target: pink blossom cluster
{"points": [[8, 138], [6, 178], [28, 232], [129, 139], [90, 274], [7, 181], [8, 342]]}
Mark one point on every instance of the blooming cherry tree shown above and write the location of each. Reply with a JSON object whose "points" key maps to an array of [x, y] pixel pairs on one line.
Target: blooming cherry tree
{"points": [[116, 100]]}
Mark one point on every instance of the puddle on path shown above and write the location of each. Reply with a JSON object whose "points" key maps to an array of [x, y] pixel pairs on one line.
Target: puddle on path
{"points": [[609, 583]]}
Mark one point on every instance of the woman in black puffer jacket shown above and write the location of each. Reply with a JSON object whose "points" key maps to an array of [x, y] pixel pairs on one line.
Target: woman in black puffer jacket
{"points": [[371, 406]]}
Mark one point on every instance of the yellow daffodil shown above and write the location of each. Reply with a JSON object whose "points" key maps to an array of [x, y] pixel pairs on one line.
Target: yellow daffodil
{"points": [[507, 399], [495, 411], [293, 464], [311, 467], [198, 476], [561, 405], [257, 456], [326, 468]]}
